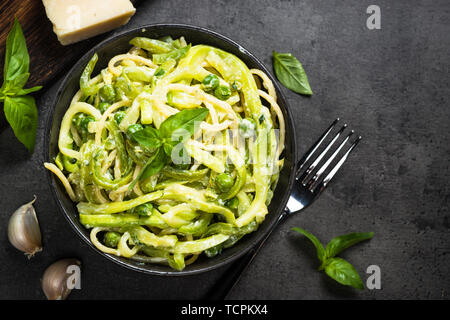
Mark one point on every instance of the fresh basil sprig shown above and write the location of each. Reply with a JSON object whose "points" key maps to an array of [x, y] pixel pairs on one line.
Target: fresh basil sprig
{"points": [[337, 268], [20, 109], [175, 129], [290, 73]]}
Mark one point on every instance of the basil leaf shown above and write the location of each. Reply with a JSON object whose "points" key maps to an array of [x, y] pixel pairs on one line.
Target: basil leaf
{"points": [[154, 165], [147, 137], [20, 110], [17, 60], [343, 272], [182, 124], [319, 247], [336, 245], [21, 113], [168, 148], [290, 73], [156, 162]]}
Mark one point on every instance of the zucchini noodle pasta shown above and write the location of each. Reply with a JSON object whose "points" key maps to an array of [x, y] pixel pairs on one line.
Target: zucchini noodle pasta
{"points": [[171, 151]]}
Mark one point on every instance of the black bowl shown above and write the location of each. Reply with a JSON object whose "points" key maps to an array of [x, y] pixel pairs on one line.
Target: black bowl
{"points": [[118, 44]]}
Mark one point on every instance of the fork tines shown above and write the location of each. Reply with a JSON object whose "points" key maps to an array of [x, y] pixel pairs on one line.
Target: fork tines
{"points": [[319, 158]]}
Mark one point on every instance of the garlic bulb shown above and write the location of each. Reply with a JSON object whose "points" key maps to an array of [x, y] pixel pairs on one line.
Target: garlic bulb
{"points": [[23, 230], [56, 277]]}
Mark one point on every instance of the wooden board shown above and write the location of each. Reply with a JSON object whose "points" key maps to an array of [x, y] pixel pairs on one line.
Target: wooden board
{"points": [[48, 58]]}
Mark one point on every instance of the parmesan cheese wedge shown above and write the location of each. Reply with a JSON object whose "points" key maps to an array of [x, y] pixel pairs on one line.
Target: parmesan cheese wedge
{"points": [[76, 20]]}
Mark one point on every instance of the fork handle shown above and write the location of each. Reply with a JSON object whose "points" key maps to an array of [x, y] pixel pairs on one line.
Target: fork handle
{"points": [[234, 273]]}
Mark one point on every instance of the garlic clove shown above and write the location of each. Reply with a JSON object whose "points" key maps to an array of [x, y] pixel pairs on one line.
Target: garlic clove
{"points": [[55, 278], [23, 230]]}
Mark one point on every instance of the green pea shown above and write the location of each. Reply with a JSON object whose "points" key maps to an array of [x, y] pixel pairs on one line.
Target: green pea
{"points": [[76, 120], [222, 92], [103, 106], [210, 82], [81, 123], [134, 128], [233, 203], [224, 182], [85, 122], [143, 209], [118, 116], [111, 239], [107, 93]]}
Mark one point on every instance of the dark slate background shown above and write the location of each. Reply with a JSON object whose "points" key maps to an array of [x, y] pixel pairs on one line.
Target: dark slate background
{"points": [[391, 85]]}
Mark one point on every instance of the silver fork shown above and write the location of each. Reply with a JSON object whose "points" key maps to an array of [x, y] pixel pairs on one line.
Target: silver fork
{"points": [[308, 186]]}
